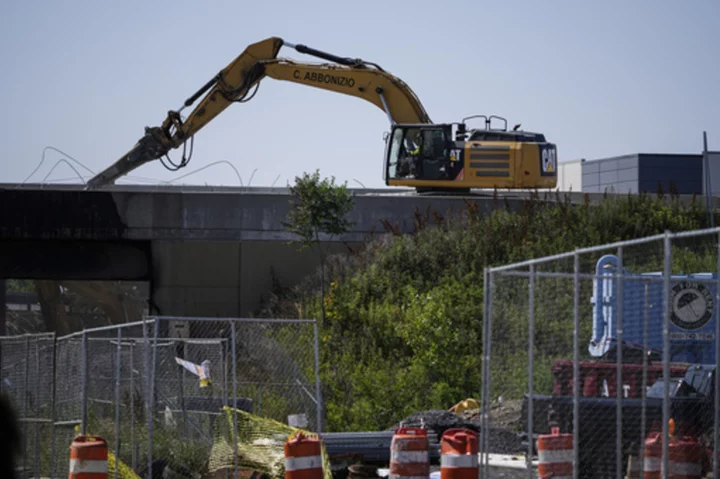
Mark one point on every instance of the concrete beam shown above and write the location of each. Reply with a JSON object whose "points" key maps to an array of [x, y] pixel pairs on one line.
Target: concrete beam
{"points": [[168, 214], [75, 260]]}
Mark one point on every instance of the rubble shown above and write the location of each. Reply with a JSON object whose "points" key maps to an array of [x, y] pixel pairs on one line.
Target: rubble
{"points": [[437, 421], [504, 421]]}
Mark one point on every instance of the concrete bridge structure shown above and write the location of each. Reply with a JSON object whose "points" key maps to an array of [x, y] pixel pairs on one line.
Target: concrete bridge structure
{"points": [[205, 251]]}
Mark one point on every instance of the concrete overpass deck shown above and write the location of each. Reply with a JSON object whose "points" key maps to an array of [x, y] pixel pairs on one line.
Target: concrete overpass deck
{"points": [[205, 250], [174, 212]]}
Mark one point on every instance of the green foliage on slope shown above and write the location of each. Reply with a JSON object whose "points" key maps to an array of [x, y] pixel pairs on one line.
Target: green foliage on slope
{"points": [[404, 314]]}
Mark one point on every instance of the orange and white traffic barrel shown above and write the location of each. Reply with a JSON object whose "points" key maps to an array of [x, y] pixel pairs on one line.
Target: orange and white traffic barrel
{"points": [[303, 458], [459, 454], [88, 458], [652, 460], [409, 456], [685, 458], [555, 455]]}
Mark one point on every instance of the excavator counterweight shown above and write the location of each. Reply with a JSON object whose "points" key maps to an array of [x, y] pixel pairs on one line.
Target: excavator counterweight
{"points": [[418, 153]]}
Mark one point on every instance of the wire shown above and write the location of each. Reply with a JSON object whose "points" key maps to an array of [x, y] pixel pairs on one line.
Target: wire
{"points": [[273, 183], [42, 160], [207, 166], [251, 176], [74, 178], [185, 159], [128, 177], [62, 160], [245, 97]]}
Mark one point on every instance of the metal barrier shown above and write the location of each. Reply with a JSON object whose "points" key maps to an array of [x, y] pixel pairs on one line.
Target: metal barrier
{"points": [[581, 338], [26, 377], [136, 385]]}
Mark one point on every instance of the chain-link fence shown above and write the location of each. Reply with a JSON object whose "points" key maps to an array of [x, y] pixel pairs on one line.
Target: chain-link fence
{"points": [[265, 368], [615, 345], [26, 378], [101, 389], [193, 394]]}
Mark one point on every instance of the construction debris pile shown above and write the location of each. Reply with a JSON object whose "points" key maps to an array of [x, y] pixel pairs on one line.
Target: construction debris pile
{"points": [[504, 428]]}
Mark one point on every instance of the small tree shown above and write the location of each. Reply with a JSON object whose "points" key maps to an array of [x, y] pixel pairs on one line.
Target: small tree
{"points": [[318, 209]]}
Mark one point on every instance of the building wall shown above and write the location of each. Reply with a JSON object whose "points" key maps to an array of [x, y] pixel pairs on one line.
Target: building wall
{"points": [[646, 172], [570, 175], [615, 175], [684, 172]]}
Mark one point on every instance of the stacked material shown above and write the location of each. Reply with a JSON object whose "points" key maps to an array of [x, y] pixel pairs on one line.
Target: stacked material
{"points": [[370, 447]]}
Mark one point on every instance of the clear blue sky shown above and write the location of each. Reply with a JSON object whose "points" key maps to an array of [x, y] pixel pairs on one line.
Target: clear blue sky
{"points": [[598, 78]]}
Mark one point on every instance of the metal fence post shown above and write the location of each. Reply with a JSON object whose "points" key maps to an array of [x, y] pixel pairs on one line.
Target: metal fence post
{"points": [[84, 360], [36, 462], [667, 271], [483, 367], [318, 392], [488, 373], [234, 383], [619, 367], [153, 398], [531, 357], [181, 384], [643, 404], [25, 399], [224, 355], [576, 366], [716, 418], [133, 455], [118, 370], [53, 407]]}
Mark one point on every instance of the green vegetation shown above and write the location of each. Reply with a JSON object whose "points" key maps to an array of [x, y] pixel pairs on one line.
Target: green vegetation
{"points": [[20, 285], [318, 208], [404, 323]]}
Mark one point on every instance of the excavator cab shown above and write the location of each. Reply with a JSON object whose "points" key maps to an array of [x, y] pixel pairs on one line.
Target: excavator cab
{"points": [[421, 152]]}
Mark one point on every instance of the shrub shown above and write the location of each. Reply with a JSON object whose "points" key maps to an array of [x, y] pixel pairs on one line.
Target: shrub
{"points": [[404, 321]]}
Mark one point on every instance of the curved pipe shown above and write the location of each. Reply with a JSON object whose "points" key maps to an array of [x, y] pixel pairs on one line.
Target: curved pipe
{"points": [[603, 301]]}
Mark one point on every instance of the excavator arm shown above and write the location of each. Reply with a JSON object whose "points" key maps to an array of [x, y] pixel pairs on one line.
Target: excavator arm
{"points": [[235, 83]]}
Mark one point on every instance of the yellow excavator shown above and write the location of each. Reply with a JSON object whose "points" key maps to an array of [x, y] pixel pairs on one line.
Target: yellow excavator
{"points": [[418, 153]]}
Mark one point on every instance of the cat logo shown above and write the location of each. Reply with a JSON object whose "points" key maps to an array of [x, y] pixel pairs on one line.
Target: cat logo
{"points": [[455, 154], [548, 160]]}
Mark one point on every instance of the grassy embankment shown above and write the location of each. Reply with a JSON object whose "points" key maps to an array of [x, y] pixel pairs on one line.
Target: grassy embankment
{"points": [[405, 313]]}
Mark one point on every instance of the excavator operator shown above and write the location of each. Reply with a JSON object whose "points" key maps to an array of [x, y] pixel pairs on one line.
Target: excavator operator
{"points": [[409, 161], [424, 156]]}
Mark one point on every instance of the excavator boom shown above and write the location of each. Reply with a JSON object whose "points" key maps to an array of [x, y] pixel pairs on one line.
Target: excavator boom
{"points": [[385, 91], [235, 82]]}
